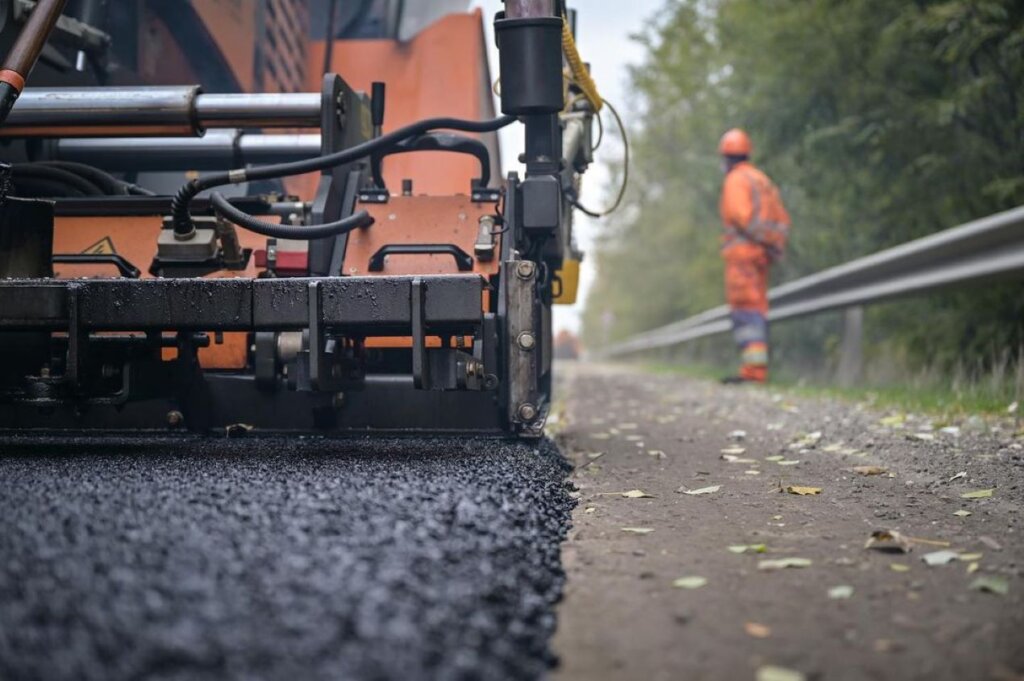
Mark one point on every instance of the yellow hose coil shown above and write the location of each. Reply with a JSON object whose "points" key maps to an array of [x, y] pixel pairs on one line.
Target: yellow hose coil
{"points": [[580, 74]]}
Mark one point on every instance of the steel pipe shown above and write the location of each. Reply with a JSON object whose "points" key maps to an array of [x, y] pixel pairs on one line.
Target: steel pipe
{"points": [[153, 111], [529, 9], [281, 110], [217, 150]]}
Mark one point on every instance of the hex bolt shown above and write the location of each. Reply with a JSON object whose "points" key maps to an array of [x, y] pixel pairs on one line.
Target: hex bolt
{"points": [[527, 412], [525, 269], [175, 418], [526, 340]]}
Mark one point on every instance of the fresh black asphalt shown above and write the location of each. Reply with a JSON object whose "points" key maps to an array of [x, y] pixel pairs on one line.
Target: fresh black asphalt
{"points": [[279, 559]]}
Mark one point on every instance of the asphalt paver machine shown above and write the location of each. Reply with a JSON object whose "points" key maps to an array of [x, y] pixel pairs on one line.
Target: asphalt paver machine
{"points": [[177, 258]]}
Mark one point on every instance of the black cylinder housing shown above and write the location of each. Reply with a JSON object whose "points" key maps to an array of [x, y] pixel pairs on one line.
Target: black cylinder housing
{"points": [[531, 65]]}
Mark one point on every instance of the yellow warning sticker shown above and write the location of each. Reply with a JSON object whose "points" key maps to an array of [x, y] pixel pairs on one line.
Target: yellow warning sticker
{"points": [[102, 247]]}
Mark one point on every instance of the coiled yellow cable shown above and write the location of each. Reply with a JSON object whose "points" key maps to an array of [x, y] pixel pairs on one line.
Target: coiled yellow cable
{"points": [[580, 74]]}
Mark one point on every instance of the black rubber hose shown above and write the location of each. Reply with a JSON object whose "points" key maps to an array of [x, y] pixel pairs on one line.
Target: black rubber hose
{"points": [[183, 198], [278, 231], [34, 170], [42, 188], [102, 179]]}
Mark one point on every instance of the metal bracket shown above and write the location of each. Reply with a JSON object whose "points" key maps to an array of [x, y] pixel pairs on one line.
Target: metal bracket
{"points": [[525, 408]]}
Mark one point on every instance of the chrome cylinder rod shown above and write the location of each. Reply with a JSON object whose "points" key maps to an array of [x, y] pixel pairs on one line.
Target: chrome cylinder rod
{"points": [[217, 150], [153, 112]]}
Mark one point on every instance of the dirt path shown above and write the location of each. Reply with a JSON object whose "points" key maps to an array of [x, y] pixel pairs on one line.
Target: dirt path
{"points": [[622, 618]]}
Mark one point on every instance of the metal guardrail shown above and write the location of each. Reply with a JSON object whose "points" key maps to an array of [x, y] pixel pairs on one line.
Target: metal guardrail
{"points": [[989, 248]]}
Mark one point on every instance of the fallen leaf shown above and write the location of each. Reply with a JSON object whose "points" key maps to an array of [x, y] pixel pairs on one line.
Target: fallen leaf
{"points": [[923, 437], [893, 420], [753, 548], [940, 557], [783, 563], [869, 470], [594, 455], [991, 543], [657, 453], [703, 490], [689, 582], [631, 494], [735, 459], [634, 438], [972, 568], [773, 673], [832, 448], [991, 584], [1012, 409], [733, 450], [978, 494], [899, 567], [600, 436], [950, 430], [589, 509], [840, 592], [803, 491], [888, 540], [774, 458], [627, 426], [962, 513], [787, 463], [757, 630], [752, 472], [737, 435], [637, 530], [961, 474], [970, 557]]}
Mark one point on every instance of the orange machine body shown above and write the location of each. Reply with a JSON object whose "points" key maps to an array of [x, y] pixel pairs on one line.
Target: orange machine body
{"points": [[440, 72]]}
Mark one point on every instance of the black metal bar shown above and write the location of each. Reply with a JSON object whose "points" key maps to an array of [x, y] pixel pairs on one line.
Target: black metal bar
{"points": [[462, 259], [377, 305], [420, 365]]}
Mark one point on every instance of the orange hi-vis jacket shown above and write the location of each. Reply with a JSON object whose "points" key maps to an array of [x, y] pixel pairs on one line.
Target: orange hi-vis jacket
{"points": [[752, 211]]}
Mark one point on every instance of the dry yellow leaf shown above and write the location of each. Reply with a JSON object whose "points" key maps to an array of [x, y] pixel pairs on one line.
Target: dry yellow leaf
{"points": [[803, 491], [757, 630], [869, 470]]}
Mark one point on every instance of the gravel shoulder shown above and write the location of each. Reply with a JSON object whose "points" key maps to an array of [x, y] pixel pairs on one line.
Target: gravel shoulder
{"points": [[622, 618]]}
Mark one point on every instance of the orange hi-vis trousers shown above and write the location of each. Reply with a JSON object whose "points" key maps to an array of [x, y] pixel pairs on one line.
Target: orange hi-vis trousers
{"points": [[746, 292]]}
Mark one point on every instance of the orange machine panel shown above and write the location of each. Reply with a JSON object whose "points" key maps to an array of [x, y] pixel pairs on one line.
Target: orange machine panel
{"points": [[421, 220], [134, 238], [441, 72]]}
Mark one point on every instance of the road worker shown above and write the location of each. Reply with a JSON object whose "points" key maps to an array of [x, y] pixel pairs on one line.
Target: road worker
{"points": [[756, 226]]}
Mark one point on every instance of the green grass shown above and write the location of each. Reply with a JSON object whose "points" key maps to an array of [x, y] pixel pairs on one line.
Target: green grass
{"points": [[929, 395]]}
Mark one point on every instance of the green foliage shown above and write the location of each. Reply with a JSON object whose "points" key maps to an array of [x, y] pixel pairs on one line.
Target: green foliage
{"points": [[880, 121]]}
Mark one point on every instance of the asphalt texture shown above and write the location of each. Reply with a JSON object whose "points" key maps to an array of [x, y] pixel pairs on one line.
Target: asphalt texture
{"points": [[279, 559]]}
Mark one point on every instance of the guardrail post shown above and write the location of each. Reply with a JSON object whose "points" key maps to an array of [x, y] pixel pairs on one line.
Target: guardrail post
{"points": [[851, 348]]}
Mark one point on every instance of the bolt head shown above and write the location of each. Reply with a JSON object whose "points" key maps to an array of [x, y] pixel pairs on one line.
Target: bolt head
{"points": [[175, 418], [525, 269], [527, 341], [527, 412]]}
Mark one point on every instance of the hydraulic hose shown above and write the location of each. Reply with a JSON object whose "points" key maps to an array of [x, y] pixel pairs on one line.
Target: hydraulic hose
{"points": [[278, 231], [182, 200], [25, 51], [58, 175]]}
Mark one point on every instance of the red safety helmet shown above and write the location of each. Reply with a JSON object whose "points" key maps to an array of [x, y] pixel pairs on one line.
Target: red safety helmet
{"points": [[735, 143]]}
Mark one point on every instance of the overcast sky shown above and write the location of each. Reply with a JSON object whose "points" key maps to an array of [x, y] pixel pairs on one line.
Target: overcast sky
{"points": [[603, 30]]}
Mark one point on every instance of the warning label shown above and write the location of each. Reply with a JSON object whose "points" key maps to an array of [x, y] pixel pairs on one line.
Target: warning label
{"points": [[102, 247]]}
